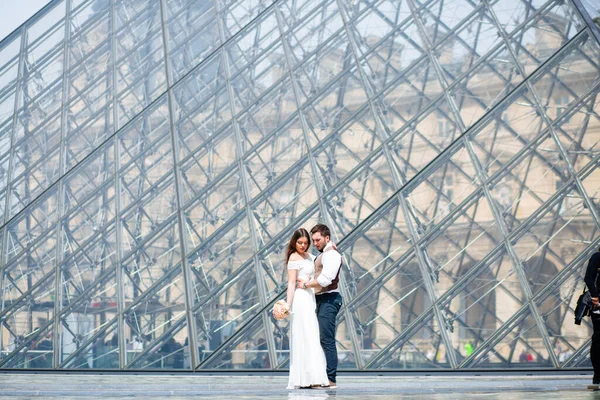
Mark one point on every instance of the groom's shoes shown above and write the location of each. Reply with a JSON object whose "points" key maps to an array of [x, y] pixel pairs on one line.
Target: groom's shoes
{"points": [[332, 385]]}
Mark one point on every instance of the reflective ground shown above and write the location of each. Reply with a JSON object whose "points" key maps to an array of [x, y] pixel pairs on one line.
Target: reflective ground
{"points": [[351, 387]]}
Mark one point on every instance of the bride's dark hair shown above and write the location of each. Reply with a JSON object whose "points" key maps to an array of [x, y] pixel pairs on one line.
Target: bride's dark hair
{"points": [[291, 248]]}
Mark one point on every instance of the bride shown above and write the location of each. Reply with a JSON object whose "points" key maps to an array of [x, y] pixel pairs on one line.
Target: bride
{"points": [[307, 360]]}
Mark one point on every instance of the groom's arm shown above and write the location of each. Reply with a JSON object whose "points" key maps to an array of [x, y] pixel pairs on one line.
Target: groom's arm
{"points": [[332, 260]]}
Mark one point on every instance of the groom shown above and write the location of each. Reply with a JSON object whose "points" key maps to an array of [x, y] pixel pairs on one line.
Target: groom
{"points": [[327, 271]]}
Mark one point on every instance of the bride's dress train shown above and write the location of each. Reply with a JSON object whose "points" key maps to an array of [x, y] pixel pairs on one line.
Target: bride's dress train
{"points": [[307, 360]]}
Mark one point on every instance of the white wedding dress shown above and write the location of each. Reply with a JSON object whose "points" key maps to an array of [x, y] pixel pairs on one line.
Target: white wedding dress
{"points": [[307, 360]]}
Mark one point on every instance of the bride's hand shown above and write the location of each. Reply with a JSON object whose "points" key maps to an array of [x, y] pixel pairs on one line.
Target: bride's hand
{"points": [[300, 283]]}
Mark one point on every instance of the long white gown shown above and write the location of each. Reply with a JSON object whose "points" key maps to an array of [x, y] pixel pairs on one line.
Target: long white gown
{"points": [[307, 360]]}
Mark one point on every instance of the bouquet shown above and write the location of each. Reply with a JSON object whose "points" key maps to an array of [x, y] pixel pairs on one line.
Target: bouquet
{"points": [[281, 309]]}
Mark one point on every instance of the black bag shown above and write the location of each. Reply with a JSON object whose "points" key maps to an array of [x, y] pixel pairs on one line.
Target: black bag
{"points": [[584, 307]]}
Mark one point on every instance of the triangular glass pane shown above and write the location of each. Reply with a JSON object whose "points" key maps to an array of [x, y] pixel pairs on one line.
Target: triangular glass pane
{"points": [[205, 120], [255, 43], [333, 109], [33, 179], [210, 165], [233, 305], [434, 28], [294, 13], [239, 14], [511, 15], [354, 143], [412, 91], [153, 285]]}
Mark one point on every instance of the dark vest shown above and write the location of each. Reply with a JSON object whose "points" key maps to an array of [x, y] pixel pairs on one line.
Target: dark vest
{"points": [[319, 268]]}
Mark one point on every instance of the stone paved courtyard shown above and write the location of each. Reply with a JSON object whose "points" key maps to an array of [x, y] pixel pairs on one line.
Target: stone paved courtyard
{"points": [[368, 387]]}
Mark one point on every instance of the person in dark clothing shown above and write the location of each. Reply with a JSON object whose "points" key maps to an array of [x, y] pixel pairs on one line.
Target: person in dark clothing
{"points": [[591, 281]]}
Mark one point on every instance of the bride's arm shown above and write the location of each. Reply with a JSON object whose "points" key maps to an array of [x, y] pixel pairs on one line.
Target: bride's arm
{"points": [[291, 287]]}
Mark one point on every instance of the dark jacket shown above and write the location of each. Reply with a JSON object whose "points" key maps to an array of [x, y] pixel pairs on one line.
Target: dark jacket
{"points": [[591, 274]]}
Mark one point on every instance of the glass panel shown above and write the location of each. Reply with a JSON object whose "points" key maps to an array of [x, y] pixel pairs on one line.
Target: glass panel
{"points": [[555, 239], [171, 351], [96, 346], [140, 69], [193, 33], [354, 199], [576, 133], [422, 347], [557, 90], [419, 142], [514, 126], [485, 84], [308, 36], [154, 294], [543, 33]]}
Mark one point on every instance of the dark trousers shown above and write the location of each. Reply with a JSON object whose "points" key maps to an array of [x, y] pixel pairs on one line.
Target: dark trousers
{"points": [[328, 306], [595, 349]]}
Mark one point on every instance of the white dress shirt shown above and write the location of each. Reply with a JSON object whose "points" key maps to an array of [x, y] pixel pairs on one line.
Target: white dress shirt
{"points": [[332, 261]]}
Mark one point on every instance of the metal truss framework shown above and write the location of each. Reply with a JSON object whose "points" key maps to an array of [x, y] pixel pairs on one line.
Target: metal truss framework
{"points": [[156, 155]]}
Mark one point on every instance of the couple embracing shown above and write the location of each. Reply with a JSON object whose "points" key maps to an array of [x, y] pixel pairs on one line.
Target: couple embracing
{"points": [[314, 301]]}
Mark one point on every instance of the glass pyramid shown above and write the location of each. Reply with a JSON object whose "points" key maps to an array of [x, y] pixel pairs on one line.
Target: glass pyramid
{"points": [[156, 155]]}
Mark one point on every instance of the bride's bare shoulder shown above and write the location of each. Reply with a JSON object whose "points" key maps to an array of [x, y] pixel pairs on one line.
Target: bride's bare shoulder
{"points": [[295, 257]]}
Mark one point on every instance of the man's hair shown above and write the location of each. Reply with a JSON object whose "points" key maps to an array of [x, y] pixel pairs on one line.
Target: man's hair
{"points": [[322, 229]]}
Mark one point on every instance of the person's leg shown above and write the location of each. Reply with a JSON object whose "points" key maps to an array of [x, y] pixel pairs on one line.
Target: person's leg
{"points": [[326, 313], [595, 348]]}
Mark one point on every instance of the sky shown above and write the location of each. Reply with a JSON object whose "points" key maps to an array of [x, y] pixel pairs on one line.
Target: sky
{"points": [[14, 13]]}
